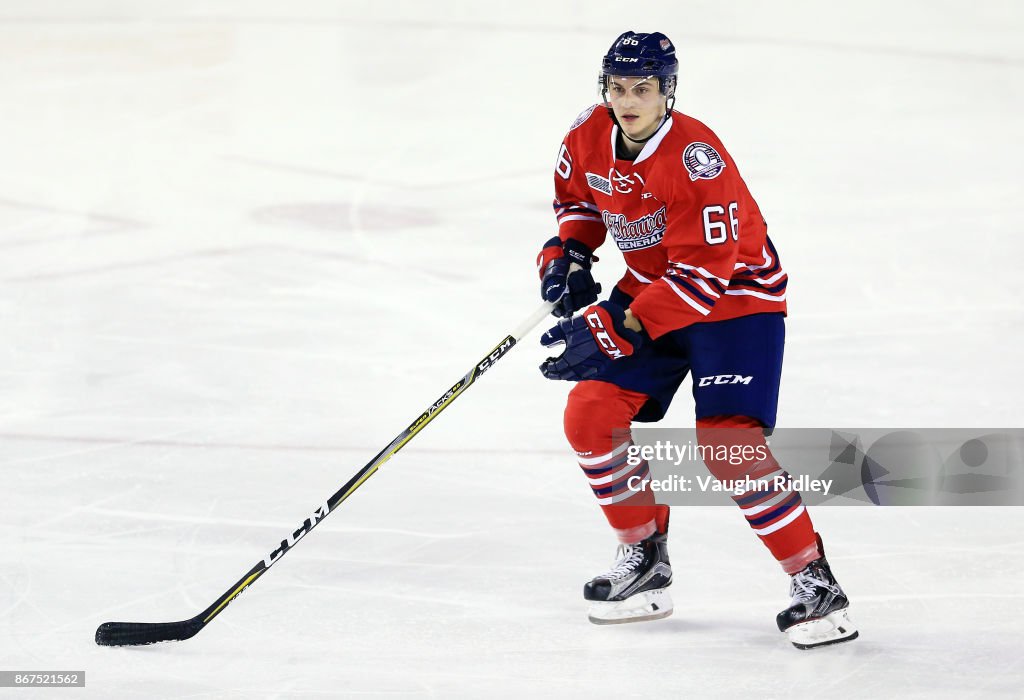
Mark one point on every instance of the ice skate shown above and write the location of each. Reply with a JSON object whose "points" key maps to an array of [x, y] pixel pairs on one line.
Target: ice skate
{"points": [[636, 588], [817, 615]]}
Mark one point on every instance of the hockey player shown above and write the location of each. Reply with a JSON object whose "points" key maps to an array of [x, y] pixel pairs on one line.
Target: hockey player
{"points": [[703, 292]]}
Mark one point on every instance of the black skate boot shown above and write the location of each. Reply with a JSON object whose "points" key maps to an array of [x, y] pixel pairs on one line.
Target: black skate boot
{"points": [[817, 615], [636, 588]]}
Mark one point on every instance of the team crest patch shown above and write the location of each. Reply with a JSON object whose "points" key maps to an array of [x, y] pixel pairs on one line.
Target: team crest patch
{"points": [[584, 116], [599, 183], [702, 161]]}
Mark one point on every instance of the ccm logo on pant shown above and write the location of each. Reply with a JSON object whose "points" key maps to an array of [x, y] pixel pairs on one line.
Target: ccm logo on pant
{"points": [[724, 379], [608, 345]]}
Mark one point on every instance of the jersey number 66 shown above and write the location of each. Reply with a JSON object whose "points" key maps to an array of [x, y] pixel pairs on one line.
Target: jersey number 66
{"points": [[715, 230]]}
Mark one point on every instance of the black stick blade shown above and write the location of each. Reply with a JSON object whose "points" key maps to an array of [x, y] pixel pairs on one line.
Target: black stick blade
{"points": [[121, 634]]}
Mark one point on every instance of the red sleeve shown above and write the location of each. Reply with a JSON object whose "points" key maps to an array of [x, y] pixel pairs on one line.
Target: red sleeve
{"points": [[577, 214], [702, 244]]}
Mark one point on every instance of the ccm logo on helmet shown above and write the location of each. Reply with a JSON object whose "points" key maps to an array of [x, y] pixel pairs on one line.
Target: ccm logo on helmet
{"points": [[724, 379], [608, 345]]}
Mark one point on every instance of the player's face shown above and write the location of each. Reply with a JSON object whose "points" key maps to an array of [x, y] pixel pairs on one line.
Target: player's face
{"points": [[637, 103]]}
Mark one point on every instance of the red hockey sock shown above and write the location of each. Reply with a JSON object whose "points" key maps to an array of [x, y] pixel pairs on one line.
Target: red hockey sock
{"points": [[597, 420], [776, 514]]}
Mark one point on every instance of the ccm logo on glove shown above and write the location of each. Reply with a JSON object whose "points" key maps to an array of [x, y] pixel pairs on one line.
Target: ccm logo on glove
{"points": [[592, 341], [565, 275], [602, 336]]}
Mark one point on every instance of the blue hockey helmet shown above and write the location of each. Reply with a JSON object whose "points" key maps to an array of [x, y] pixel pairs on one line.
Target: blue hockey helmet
{"points": [[647, 55]]}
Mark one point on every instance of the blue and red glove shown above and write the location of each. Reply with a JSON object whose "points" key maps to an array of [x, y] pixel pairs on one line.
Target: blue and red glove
{"points": [[570, 290], [592, 340]]}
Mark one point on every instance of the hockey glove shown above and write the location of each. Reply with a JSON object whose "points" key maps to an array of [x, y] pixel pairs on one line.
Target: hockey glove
{"points": [[592, 340], [571, 290]]}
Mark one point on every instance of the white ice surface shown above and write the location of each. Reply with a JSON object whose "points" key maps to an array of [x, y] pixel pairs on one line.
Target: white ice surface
{"points": [[243, 244]]}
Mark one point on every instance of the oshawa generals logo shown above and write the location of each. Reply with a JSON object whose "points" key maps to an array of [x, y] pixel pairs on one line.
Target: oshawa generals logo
{"points": [[644, 232]]}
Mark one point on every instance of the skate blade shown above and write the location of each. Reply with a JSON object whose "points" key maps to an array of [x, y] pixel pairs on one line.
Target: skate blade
{"points": [[642, 607], [831, 629]]}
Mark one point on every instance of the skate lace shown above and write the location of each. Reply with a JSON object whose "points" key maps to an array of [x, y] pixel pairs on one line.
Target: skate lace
{"points": [[627, 558], [804, 585]]}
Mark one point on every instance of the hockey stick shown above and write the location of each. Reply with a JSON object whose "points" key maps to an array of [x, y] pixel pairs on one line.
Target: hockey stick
{"points": [[136, 633]]}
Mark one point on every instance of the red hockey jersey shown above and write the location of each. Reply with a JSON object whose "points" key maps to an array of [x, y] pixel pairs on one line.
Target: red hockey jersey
{"points": [[695, 244]]}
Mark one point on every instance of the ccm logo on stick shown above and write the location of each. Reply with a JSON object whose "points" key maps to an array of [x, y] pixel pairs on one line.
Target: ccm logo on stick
{"points": [[608, 345], [505, 346], [724, 379], [290, 541]]}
